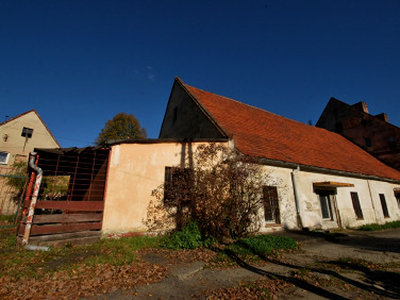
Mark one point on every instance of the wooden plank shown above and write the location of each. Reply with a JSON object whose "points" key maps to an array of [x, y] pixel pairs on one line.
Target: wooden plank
{"points": [[51, 229], [65, 236], [72, 205], [56, 240], [62, 228], [65, 218]]}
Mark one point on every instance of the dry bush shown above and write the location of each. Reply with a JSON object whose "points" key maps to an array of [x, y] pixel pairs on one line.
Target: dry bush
{"points": [[222, 193]]}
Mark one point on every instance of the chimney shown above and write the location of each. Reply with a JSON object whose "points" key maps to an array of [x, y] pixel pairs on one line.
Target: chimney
{"points": [[361, 106], [383, 117]]}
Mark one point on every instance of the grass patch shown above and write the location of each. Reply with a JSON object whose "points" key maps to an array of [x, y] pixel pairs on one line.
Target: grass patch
{"points": [[376, 227], [19, 263], [7, 219], [265, 245]]}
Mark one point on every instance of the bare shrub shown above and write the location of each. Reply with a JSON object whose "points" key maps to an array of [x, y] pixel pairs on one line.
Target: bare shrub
{"points": [[222, 193]]}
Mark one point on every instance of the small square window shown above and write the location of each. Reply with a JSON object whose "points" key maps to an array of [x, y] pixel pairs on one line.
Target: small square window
{"points": [[4, 158], [27, 132]]}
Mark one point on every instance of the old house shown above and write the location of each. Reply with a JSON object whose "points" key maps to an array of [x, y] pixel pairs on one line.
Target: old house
{"points": [[372, 133], [319, 179], [19, 136]]}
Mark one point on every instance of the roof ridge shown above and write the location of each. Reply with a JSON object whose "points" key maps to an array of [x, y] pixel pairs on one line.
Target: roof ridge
{"points": [[254, 107], [17, 116]]}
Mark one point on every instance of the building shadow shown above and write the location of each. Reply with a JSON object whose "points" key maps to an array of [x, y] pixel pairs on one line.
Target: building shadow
{"points": [[381, 283], [358, 240]]}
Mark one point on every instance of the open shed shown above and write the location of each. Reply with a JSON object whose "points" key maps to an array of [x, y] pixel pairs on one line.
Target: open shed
{"points": [[70, 202]]}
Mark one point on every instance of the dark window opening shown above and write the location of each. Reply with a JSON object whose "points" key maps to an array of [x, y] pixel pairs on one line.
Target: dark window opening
{"points": [[271, 204], [325, 199], [176, 183], [175, 116], [397, 195], [4, 157], [391, 142], [368, 142], [27, 132], [356, 205], [384, 206]]}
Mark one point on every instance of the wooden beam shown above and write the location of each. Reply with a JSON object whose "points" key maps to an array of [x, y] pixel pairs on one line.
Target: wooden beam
{"points": [[66, 218], [72, 205], [332, 184]]}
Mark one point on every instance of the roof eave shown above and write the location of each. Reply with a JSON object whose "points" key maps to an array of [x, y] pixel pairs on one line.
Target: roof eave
{"points": [[291, 165]]}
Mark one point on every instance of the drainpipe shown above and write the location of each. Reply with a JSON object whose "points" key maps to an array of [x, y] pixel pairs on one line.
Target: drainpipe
{"points": [[296, 197], [34, 198], [372, 202]]}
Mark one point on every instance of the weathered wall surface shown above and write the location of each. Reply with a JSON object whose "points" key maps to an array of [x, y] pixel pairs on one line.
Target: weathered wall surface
{"points": [[368, 193], [135, 170]]}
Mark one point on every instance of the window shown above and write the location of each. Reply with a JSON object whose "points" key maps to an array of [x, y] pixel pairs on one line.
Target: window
{"points": [[4, 157], [27, 132], [356, 205], [368, 142], [176, 183], [397, 195], [271, 204], [326, 203], [384, 206], [391, 142]]}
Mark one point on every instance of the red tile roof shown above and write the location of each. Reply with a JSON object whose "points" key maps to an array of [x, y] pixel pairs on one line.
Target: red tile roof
{"points": [[259, 133]]}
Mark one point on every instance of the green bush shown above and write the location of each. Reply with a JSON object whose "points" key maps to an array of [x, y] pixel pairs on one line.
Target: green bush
{"points": [[189, 237]]}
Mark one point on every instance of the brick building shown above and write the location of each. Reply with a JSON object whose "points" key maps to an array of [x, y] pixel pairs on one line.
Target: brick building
{"points": [[372, 133]]}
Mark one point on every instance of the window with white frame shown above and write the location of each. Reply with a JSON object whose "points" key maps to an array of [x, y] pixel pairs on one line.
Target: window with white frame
{"points": [[4, 157]]}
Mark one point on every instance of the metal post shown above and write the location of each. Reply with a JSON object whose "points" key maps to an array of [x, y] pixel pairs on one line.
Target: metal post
{"points": [[35, 194]]}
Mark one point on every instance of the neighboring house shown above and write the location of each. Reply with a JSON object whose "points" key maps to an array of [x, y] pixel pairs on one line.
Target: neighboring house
{"points": [[21, 134], [317, 178], [372, 133], [18, 137]]}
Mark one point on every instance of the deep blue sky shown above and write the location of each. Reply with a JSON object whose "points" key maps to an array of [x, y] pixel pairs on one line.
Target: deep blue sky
{"points": [[78, 63]]}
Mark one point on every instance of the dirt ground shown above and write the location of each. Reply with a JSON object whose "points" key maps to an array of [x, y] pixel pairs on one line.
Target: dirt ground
{"points": [[345, 265]]}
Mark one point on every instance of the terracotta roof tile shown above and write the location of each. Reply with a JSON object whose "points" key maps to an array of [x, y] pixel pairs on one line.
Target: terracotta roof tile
{"points": [[259, 133]]}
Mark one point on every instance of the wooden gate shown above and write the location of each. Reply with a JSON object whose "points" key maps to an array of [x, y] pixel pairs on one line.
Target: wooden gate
{"points": [[71, 197]]}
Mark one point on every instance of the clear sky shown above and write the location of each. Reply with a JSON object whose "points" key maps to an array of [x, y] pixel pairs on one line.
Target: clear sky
{"points": [[78, 63]]}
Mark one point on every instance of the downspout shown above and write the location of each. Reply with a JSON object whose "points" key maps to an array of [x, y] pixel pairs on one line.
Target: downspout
{"points": [[296, 197], [372, 201], [34, 198]]}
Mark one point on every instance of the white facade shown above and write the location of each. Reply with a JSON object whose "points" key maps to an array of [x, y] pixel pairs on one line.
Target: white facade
{"points": [[135, 170]]}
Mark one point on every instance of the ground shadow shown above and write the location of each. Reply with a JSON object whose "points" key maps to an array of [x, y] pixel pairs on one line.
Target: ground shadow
{"points": [[377, 279], [388, 280], [295, 281], [355, 239]]}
